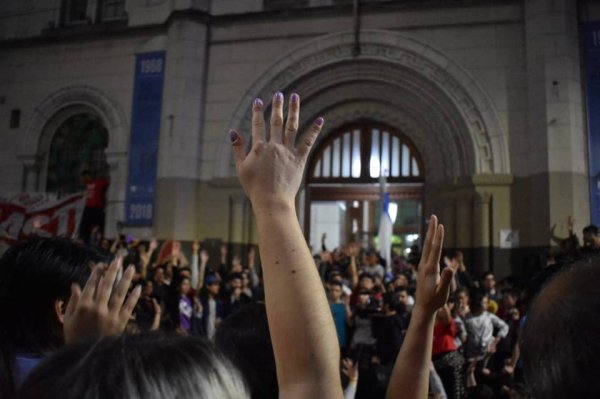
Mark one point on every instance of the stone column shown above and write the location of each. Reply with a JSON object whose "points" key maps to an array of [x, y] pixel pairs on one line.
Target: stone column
{"points": [[181, 131], [551, 174]]}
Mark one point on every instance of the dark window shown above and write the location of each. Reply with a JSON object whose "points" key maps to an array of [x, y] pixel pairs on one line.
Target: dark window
{"points": [[112, 9], [75, 11], [15, 118], [78, 144]]}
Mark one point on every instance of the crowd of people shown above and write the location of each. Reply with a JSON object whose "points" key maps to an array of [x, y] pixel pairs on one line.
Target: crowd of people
{"points": [[129, 318]]}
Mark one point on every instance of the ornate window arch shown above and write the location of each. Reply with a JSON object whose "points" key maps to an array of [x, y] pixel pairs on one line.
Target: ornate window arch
{"points": [[360, 152]]}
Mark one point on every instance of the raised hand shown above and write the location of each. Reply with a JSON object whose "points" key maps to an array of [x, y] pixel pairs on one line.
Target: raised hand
{"points": [[272, 171], [432, 289], [350, 369], [100, 309], [195, 246]]}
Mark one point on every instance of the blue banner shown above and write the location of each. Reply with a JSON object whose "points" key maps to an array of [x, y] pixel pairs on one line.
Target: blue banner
{"points": [[145, 134], [591, 39]]}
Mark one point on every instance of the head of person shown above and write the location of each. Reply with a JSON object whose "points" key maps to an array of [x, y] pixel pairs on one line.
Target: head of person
{"points": [[335, 275], [147, 288], [509, 298], [235, 281], [35, 286], [212, 284], [335, 290], [591, 239], [372, 258], [366, 281], [137, 366], [400, 280], [245, 279], [185, 272], [105, 245], [159, 275], [459, 257], [364, 297], [236, 264], [244, 337], [402, 296], [560, 344], [185, 286], [479, 303], [461, 298], [488, 281]]}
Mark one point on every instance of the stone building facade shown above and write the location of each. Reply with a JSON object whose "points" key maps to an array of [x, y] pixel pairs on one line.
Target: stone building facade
{"points": [[488, 93]]}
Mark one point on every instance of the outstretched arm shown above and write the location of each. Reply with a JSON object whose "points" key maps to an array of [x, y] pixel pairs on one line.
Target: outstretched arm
{"points": [[410, 378], [304, 337]]}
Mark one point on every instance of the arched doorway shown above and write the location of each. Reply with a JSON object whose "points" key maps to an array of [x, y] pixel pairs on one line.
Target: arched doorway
{"points": [[78, 145], [343, 188]]}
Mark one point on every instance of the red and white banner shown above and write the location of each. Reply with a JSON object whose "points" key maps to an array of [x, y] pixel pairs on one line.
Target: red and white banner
{"points": [[27, 215]]}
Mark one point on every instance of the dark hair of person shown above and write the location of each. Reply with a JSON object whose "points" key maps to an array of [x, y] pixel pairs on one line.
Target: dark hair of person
{"points": [[560, 342], [244, 337], [366, 275], [336, 283], [34, 274], [591, 229], [139, 366], [476, 302]]}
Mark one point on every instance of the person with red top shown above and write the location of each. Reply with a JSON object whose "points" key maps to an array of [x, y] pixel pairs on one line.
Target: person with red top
{"points": [[93, 213], [448, 362]]}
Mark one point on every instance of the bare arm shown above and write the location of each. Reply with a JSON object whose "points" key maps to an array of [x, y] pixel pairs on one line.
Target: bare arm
{"points": [[304, 337], [410, 377]]}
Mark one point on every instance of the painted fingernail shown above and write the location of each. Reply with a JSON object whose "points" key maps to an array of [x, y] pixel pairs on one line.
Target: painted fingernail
{"points": [[278, 96], [258, 102], [319, 121], [294, 98], [233, 136]]}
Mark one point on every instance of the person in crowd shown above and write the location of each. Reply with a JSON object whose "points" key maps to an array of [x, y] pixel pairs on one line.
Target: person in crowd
{"points": [[234, 296], [340, 309], [372, 264], [562, 361], [185, 307], [448, 362], [93, 212], [161, 288], [488, 285], [137, 366], [244, 337], [147, 311], [459, 308], [591, 240], [33, 326], [463, 278], [212, 305], [481, 341], [389, 327]]}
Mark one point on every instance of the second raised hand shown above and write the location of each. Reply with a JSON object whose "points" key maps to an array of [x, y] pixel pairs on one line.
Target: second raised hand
{"points": [[100, 309], [280, 159]]}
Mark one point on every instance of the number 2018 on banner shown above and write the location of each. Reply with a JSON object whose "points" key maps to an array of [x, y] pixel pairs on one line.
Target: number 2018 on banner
{"points": [[151, 66], [140, 211]]}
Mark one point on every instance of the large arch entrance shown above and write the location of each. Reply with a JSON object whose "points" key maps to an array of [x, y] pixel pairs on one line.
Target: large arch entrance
{"points": [[342, 197], [418, 90]]}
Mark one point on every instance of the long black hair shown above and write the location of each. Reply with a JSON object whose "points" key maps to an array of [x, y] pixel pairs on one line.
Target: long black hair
{"points": [[34, 274], [144, 366]]}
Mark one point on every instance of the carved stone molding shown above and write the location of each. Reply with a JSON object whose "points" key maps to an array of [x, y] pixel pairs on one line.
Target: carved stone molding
{"points": [[387, 57], [78, 96]]}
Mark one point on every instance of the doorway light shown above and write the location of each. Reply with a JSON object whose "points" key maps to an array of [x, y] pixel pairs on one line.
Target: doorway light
{"points": [[393, 211]]}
